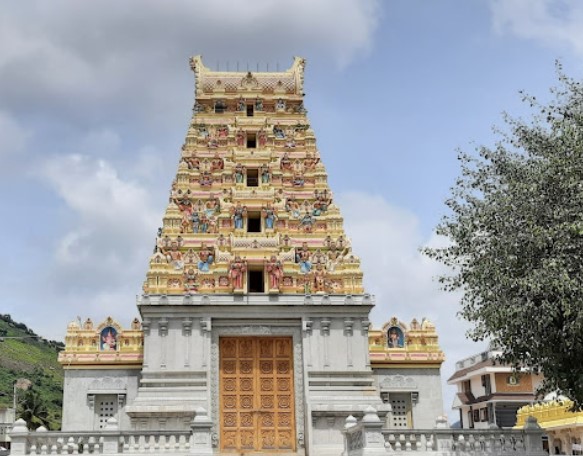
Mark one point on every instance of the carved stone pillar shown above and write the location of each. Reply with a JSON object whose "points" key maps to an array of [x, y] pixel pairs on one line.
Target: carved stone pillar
{"points": [[325, 330], [365, 322], [205, 328], [348, 331], [146, 325], [163, 332], [187, 332], [307, 329]]}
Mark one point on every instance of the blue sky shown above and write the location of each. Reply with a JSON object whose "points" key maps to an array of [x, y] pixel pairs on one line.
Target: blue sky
{"points": [[95, 99]]}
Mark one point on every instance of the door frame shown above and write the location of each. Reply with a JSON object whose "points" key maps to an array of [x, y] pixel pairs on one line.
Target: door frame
{"points": [[233, 328]]}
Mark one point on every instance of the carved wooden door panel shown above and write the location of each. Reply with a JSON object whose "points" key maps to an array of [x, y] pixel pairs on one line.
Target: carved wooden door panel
{"points": [[257, 397]]}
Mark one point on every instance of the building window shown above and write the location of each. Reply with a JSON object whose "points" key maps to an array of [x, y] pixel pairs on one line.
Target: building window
{"points": [[106, 408], [490, 413], [401, 406], [487, 384], [255, 281], [251, 141], [467, 386], [513, 380], [484, 415], [252, 178], [220, 107], [470, 419], [476, 417], [249, 110], [254, 222]]}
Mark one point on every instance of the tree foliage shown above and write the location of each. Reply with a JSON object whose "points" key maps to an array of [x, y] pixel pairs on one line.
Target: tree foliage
{"points": [[33, 409], [516, 230]]}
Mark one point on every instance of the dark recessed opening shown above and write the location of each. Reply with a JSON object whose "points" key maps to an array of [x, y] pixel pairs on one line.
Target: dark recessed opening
{"points": [[254, 223], [251, 141], [255, 281], [249, 110], [220, 107], [252, 178]]}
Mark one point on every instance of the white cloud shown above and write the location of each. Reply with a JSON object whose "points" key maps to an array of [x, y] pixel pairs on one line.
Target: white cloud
{"points": [[112, 228], [387, 240], [13, 136], [120, 58], [555, 23]]}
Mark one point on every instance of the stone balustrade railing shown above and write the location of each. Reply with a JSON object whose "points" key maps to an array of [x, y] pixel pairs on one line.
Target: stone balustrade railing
{"points": [[111, 441], [369, 437]]}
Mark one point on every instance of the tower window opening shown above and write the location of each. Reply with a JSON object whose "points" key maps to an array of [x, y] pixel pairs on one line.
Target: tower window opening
{"points": [[251, 140], [255, 281], [249, 110], [254, 222], [220, 107], [252, 178]]}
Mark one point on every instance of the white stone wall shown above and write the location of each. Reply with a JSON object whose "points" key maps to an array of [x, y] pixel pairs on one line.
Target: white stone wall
{"points": [[426, 382], [81, 388]]}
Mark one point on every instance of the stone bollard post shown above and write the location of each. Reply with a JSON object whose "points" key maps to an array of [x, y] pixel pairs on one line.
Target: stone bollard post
{"points": [[533, 437], [443, 439], [201, 433], [111, 437], [42, 446], [373, 440], [19, 437], [349, 423]]}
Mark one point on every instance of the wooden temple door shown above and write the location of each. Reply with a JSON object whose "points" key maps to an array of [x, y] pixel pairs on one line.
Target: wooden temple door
{"points": [[256, 394]]}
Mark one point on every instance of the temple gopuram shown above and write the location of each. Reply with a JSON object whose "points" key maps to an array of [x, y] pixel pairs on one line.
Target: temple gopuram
{"points": [[254, 330]]}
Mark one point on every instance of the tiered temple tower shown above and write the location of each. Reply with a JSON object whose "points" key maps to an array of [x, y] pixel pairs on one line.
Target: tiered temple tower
{"points": [[250, 209], [253, 306]]}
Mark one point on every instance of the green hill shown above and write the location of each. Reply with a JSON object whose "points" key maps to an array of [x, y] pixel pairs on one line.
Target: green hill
{"points": [[34, 358]]}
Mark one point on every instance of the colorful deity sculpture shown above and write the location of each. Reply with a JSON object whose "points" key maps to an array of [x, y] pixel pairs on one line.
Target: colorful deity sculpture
{"points": [[262, 138], [269, 216], [240, 138], [303, 256], [239, 212], [206, 258], [265, 174], [239, 174], [285, 163], [278, 132], [306, 222], [274, 270], [190, 280], [237, 271]]}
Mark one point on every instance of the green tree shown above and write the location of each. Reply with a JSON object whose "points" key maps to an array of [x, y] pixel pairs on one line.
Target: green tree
{"points": [[516, 230], [33, 409]]}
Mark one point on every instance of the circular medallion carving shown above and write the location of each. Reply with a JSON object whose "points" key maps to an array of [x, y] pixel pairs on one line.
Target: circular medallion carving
{"points": [[283, 401], [284, 419], [246, 384], [230, 420], [246, 402], [266, 367], [230, 401], [283, 384], [282, 367], [267, 401], [246, 367], [246, 419], [229, 366], [266, 384], [229, 384], [267, 419]]}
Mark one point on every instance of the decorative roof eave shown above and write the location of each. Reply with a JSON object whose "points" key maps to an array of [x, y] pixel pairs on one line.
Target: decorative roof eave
{"points": [[551, 415], [258, 299], [248, 80], [101, 360]]}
